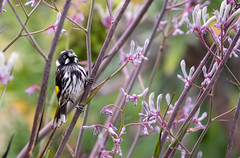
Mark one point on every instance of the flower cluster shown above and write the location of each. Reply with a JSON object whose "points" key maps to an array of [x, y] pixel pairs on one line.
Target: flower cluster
{"points": [[115, 137], [151, 117], [221, 16], [235, 48], [104, 15], [186, 110], [197, 14], [137, 57], [6, 69], [106, 111], [186, 78], [78, 18], [134, 97], [207, 76], [78, 15], [151, 111]]}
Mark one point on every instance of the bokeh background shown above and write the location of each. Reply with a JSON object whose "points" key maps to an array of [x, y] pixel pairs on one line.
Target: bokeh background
{"points": [[17, 108]]}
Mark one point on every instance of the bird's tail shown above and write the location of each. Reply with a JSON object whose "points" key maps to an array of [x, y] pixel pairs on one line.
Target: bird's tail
{"points": [[60, 116]]}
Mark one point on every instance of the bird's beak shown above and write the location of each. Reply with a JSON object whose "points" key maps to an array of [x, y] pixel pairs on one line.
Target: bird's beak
{"points": [[71, 55]]}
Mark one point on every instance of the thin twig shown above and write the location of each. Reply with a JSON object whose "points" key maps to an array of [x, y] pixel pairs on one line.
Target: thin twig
{"points": [[183, 95], [119, 101], [44, 85], [233, 76], [20, 32], [43, 132], [93, 75], [132, 79], [89, 57], [72, 21], [223, 114], [110, 10], [177, 5], [134, 143], [1, 3], [233, 129], [205, 129], [31, 38], [209, 86], [24, 10], [124, 36]]}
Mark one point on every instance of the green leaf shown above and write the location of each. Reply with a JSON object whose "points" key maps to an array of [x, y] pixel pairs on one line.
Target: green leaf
{"points": [[175, 142]]}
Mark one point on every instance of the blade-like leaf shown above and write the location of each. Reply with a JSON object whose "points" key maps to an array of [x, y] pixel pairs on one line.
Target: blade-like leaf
{"points": [[8, 147]]}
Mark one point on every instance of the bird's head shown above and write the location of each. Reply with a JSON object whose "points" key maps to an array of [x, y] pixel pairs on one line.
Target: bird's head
{"points": [[67, 57]]}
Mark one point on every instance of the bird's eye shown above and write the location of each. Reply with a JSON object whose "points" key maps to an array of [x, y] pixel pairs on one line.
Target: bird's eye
{"points": [[64, 56]]}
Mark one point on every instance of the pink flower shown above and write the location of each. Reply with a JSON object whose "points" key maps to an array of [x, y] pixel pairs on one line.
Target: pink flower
{"points": [[136, 57], [145, 131], [111, 129], [30, 90], [222, 14], [78, 18], [131, 12], [1, 9], [151, 111], [186, 78], [106, 111], [134, 97], [105, 154], [197, 119], [207, 76], [6, 69], [106, 21], [32, 2], [197, 25], [53, 28], [117, 147], [122, 131], [96, 129]]}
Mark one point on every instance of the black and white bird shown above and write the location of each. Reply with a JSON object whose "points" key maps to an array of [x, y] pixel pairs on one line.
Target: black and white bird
{"points": [[71, 81]]}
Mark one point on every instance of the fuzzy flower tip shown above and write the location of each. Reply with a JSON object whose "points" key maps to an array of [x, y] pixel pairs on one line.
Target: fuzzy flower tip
{"points": [[95, 127], [104, 15], [3, 4], [197, 119], [30, 90], [33, 3], [112, 129], [137, 56], [106, 111], [186, 78], [222, 14], [134, 97], [235, 50], [78, 17], [207, 76], [200, 20], [105, 154], [53, 28], [150, 110], [145, 131], [6, 68]]}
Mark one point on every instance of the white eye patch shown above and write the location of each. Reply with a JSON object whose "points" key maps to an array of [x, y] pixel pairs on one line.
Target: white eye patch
{"points": [[75, 60], [57, 63], [67, 61]]}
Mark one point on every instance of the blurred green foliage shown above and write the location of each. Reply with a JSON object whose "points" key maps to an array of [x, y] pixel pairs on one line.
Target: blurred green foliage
{"points": [[18, 108]]}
